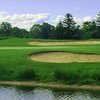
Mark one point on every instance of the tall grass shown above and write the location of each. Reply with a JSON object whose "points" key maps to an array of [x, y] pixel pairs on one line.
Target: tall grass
{"points": [[77, 76], [27, 74], [67, 76]]}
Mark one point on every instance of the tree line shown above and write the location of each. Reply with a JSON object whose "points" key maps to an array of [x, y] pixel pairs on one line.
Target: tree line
{"points": [[65, 29]]}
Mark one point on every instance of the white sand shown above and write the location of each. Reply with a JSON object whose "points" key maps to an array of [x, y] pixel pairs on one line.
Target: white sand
{"points": [[64, 43], [64, 57]]}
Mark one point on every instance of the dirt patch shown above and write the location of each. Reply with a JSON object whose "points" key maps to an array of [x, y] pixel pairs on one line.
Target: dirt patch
{"points": [[64, 43], [52, 85], [64, 57]]}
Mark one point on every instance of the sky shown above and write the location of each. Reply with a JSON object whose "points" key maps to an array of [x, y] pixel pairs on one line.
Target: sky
{"points": [[25, 13]]}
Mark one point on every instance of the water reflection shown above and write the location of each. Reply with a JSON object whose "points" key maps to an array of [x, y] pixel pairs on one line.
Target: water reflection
{"points": [[23, 93]]}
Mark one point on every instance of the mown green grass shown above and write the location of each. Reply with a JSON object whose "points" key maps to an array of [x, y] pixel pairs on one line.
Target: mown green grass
{"points": [[14, 42], [14, 61], [23, 42]]}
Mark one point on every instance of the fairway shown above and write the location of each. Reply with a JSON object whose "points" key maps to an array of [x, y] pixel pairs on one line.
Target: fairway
{"points": [[82, 65], [64, 57]]}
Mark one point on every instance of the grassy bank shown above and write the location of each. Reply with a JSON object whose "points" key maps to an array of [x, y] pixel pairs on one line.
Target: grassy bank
{"points": [[14, 63], [57, 86]]}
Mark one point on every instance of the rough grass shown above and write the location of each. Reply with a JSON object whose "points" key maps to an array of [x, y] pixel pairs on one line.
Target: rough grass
{"points": [[13, 61], [27, 74]]}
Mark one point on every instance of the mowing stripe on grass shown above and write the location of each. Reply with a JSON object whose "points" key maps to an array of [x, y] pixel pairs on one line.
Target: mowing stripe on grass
{"points": [[30, 47]]}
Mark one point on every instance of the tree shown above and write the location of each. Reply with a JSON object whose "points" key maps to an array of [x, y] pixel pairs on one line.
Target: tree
{"points": [[98, 19], [69, 22], [77, 33], [36, 31], [5, 29], [15, 32], [24, 33], [97, 31], [89, 29], [48, 31], [59, 31], [69, 25], [21, 33], [44, 31]]}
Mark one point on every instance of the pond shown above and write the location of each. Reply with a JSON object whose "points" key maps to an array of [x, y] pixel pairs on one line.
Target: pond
{"points": [[29, 93]]}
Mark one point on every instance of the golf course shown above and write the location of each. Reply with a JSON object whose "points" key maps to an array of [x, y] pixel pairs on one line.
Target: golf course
{"points": [[47, 61]]}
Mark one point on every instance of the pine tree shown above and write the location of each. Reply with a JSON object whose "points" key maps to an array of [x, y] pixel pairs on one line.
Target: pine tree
{"points": [[68, 21], [69, 26], [98, 19]]}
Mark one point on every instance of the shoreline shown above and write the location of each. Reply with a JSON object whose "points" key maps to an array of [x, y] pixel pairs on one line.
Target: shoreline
{"points": [[52, 85]]}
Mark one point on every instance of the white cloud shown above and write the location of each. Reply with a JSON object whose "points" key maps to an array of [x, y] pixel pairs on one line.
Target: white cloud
{"points": [[58, 19], [79, 21], [87, 18], [27, 20], [3, 13], [23, 20]]}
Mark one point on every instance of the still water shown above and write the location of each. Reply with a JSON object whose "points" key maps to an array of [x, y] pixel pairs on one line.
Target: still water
{"points": [[25, 93]]}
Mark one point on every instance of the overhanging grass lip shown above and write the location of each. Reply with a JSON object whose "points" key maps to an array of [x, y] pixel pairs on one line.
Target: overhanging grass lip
{"points": [[45, 51]]}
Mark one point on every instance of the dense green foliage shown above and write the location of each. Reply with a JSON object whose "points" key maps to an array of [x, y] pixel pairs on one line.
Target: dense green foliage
{"points": [[65, 29], [44, 31], [5, 29]]}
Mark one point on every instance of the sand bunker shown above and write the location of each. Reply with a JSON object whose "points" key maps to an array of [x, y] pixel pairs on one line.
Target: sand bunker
{"points": [[64, 43], [64, 57]]}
